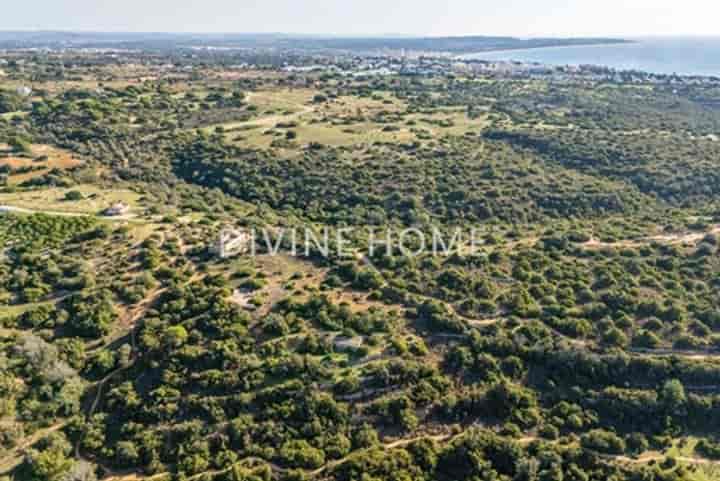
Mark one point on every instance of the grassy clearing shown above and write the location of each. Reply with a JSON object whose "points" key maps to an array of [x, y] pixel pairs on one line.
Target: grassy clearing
{"points": [[324, 133], [279, 277], [684, 447], [342, 121], [281, 100], [364, 106], [704, 473], [141, 231], [95, 199], [283, 276]]}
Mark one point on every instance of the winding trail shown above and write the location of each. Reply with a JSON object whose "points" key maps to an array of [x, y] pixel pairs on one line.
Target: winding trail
{"points": [[681, 353], [645, 459], [400, 443], [669, 238], [14, 457], [128, 321], [268, 121], [8, 332]]}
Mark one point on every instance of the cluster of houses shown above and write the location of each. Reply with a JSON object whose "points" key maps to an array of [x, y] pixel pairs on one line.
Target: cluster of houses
{"points": [[389, 65]]}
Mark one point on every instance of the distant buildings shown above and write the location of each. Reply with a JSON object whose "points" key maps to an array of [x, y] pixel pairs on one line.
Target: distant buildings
{"points": [[309, 68]]}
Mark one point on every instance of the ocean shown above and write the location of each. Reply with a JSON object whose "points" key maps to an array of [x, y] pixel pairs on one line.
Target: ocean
{"points": [[683, 56]]}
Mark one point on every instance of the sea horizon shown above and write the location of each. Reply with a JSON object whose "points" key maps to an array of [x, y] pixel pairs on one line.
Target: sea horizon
{"points": [[666, 55]]}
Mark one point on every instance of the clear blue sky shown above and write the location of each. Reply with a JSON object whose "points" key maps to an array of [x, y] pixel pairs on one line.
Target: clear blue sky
{"points": [[350, 17]]}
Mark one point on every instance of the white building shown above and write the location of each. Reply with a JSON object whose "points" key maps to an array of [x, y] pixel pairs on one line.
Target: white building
{"points": [[117, 209]]}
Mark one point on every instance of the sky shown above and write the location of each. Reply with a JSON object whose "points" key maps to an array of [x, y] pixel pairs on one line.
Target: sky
{"points": [[524, 18]]}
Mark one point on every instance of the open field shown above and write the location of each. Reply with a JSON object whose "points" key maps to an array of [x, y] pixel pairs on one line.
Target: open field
{"points": [[342, 121], [41, 159], [95, 200]]}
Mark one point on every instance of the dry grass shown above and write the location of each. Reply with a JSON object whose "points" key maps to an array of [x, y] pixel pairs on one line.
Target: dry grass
{"points": [[281, 100], [283, 276], [53, 199], [42, 155], [342, 121]]}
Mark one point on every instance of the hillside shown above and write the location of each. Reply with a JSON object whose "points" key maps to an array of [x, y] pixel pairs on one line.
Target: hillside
{"points": [[573, 335]]}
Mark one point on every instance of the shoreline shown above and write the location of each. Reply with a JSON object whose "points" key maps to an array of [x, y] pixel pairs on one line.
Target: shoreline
{"points": [[637, 55], [472, 56]]}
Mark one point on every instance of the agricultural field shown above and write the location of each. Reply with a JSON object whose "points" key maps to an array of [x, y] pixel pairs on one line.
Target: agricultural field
{"points": [[575, 335], [26, 162]]}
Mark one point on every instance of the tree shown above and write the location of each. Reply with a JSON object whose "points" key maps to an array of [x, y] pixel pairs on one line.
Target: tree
{"points": [[90, 315], [176, 335], [20, 145], [10, 102], [637, 443], [672, 395], [646, 339], [603, 441], [50, 462], [365, 437], [614, 337], [300, 453], [74, 195]]}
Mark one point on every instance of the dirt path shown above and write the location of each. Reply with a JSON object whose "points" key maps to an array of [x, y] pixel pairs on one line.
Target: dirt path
{"points": [[272, 120], [649, 458], [276, 468], [268, 121], [136, 477], [446, 438], [100, 385], [685, 354], [404, 442], [128, 320], [15, 456], [669, 238], [5, 332], [23, 210]]}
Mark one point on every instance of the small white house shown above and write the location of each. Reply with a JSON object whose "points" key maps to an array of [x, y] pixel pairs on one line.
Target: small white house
{"points": [[24, 91], [117, 209]]}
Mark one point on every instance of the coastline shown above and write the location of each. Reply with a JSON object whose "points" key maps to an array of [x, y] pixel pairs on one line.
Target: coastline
{"points": [[681, 56], [473, 56]]}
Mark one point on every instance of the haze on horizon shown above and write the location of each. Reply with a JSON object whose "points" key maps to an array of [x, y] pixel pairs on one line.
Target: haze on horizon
{"points": [[525, 18]]}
